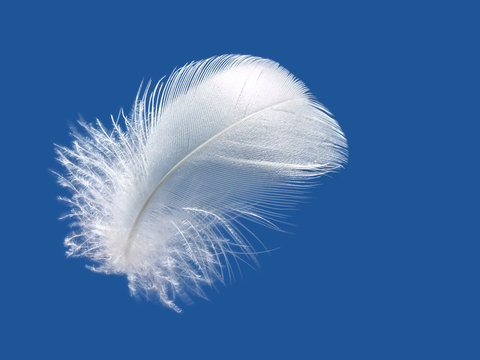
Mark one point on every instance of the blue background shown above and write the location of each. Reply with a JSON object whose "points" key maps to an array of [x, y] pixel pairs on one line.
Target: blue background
{"points": [[383, 262]]}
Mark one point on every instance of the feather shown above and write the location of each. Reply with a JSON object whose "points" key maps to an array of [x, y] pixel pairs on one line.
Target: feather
{"points": [[164, 195]]}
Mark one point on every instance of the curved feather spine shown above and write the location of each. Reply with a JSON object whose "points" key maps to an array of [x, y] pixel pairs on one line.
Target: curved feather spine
{"points": [[198, 148]]}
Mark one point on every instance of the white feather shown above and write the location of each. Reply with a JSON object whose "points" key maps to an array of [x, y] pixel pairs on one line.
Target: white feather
{"points": [[163, 197]]}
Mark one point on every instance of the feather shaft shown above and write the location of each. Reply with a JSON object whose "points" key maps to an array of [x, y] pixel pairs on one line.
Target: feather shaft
{"points": [[198, 148]]}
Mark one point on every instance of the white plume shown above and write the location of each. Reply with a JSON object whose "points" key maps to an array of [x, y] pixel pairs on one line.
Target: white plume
{"points": [[163, 197]]}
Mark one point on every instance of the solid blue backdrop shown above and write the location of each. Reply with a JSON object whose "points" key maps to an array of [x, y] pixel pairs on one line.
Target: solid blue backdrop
{"points": [[383, 260]]}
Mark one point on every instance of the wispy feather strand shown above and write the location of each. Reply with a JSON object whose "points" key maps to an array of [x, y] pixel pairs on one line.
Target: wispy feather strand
{"points": [[163, 195]]}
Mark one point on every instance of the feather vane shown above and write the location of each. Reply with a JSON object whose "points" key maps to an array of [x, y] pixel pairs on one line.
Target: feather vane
{"points": [[163, 196]]}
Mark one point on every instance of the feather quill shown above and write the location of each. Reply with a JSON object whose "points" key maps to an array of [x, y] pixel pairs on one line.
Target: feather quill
{"points": [[163, 196]]}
